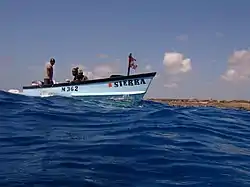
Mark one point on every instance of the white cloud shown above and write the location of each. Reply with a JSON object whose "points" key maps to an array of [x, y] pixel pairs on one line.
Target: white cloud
{"points": [[182, 37], [87, 73], [171, 85], [175, 63], [103, 70], [238, 66]]}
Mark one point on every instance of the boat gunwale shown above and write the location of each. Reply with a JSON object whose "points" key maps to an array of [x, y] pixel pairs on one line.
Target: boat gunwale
{"points": [[118, 78]]}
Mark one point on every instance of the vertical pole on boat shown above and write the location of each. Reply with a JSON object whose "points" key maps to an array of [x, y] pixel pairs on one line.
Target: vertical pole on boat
{"points": [[129, 59]]}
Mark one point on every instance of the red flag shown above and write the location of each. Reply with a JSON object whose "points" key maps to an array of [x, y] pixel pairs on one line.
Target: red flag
{"points": [[133, 65], [131, 59], [131, 62]]}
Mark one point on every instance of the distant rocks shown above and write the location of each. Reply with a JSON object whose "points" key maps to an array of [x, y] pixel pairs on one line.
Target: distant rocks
{"points": [[239, 104]]}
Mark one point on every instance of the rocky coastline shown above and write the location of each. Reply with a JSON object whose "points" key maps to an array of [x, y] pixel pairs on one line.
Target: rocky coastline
{"points": [[236, 104]]}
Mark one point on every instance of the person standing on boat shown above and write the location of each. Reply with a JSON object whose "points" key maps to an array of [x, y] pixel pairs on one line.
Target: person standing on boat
{"points": [[48, 79]]}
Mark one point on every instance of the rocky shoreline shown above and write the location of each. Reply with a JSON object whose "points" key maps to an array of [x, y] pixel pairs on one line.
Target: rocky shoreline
{"points": [[237, 104]]}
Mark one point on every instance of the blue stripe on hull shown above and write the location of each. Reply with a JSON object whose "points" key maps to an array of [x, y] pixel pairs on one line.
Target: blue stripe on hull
{"points": [[116, 97]]}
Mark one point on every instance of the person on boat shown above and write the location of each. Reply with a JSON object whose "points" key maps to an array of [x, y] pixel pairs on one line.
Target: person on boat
{"points": [[78, 75], [75, 73], [81, 76], [48, 79]]}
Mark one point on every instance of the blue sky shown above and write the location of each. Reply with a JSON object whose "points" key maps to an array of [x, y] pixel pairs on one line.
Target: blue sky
{"points": [[77, 32]]}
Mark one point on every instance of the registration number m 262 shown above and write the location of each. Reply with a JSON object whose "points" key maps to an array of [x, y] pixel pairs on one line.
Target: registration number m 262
{"points": [[70, 89]]}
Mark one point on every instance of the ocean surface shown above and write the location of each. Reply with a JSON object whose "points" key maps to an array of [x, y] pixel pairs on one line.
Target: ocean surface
{"points": [[66, 142]]}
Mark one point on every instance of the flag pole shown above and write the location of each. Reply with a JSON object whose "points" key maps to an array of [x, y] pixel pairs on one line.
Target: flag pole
{"points": [[128, 72]]}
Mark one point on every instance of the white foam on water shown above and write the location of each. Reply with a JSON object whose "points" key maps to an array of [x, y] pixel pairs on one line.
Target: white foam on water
{"points": [[14, 91]]}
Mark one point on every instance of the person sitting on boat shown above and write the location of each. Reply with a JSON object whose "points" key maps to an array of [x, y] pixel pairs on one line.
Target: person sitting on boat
{"points": [[48, 79], [75, 72], [80, 76]]}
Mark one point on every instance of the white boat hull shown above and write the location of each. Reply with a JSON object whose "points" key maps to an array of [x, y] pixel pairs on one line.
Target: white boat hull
{"points": [[133, 86]]}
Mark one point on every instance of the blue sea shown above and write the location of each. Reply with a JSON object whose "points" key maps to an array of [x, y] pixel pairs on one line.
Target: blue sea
{"points": [[66, 142]]}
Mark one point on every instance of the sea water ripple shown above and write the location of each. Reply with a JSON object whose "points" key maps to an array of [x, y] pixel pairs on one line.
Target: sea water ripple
{"points": [[72, 142]]}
